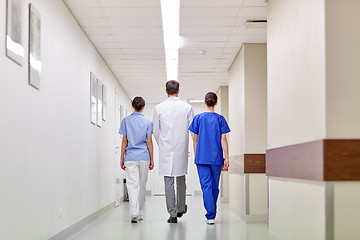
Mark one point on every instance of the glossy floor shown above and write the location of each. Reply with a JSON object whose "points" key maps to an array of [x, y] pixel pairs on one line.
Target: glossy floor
{"points": [[116, 224]]}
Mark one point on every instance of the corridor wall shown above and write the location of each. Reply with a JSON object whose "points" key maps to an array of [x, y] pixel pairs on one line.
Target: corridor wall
{"points": [[56, 167], [313, 119], [248, 136], [223, 108]]}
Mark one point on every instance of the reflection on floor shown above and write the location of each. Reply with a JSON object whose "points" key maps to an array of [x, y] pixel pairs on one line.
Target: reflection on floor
{"points": [[116, 224]]}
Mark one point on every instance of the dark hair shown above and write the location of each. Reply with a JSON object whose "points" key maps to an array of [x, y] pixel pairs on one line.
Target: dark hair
{"points": [[210, 99], [138, 103], [172, 87]]}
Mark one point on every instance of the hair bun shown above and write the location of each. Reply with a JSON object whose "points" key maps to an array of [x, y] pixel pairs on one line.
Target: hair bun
{"points": [[138, 103], [210, 99]]}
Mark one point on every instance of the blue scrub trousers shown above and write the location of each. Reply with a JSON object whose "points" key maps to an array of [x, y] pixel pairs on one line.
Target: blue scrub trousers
{"points": [[209, 176]]}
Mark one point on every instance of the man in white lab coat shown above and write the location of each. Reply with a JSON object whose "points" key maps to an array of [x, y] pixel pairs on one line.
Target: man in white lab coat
{"points": [[171, 122]]}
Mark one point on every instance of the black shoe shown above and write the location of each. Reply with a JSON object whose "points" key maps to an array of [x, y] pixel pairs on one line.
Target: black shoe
{"points": [[180, 214], [172, 220]]}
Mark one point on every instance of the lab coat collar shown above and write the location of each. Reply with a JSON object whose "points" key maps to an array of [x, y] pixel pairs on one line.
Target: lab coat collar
{"points": [[172, 98]]}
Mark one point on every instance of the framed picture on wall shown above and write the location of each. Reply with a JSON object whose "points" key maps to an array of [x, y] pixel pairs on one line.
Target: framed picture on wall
{"points": [[34, 50], [99, 103], [93, 98], [14, 39], [104, 102]]}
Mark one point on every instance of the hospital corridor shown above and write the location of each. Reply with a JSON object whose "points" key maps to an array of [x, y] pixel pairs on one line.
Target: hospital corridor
{"points": [[258, 97]]}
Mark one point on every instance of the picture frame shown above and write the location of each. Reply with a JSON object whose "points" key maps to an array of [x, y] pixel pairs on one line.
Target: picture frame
{"points": [[104, 102], [34, 47], [93, 98], [14, 39], [99, 103]]}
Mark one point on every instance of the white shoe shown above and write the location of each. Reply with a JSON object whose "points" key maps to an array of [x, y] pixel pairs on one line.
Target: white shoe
{"points": [[210, 221], [140, 218], [134, 219]]}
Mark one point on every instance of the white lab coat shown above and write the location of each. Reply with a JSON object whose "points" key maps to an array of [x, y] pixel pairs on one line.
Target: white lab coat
{"points": [[171, 122]]}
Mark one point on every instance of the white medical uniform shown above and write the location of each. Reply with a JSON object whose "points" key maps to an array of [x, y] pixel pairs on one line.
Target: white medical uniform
{"points": [[171, 122]]}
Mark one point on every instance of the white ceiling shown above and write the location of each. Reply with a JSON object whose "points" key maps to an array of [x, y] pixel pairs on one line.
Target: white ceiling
{"points": [[128, 34]]}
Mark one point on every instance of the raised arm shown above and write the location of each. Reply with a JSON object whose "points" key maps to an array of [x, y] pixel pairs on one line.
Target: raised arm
{"points": [[225, 147]]}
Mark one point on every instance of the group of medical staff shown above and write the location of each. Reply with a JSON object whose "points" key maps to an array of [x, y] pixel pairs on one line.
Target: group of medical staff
{"points": [[171, 123]]}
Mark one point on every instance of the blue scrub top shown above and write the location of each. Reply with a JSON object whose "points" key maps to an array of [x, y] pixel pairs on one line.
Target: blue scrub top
{"points": [[209, 127], [136, 128]]}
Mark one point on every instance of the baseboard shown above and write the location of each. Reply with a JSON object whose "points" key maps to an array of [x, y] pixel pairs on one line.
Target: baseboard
{"points": [[82, 224]]}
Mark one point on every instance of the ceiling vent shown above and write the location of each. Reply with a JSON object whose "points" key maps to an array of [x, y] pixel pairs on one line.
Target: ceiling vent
{"points": [[251, 24]]}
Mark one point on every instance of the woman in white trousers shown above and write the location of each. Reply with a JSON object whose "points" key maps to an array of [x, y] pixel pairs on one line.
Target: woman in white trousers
{"points": [[136, 156]]}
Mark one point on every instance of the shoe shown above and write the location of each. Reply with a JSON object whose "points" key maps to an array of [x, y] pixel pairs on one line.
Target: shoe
{"points": [[210, 221], [140, 218], [134, 220], [172, 220], [180, 214]]}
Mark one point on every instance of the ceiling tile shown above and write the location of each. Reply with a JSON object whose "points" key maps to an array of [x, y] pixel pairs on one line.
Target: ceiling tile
{"points": [[211, 3], [129, 3], [208, 22], [131, 12], [81, 3], [255, 3], [255, 12], [87, 12], [203, 12], [128, 34]]}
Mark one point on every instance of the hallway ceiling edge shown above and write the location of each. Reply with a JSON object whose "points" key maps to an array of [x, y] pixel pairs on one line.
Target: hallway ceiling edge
{"points": [[128, 35]]}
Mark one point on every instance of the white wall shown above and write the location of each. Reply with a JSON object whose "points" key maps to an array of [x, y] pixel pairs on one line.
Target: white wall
{"points": [[237, 106], [223, 108], [52, 157], [342, 69], [313, 84], [346, 210], [236, 193], [296, 111], [296, 71], [297, 209], [236, 136], [248, 124], [255, 98]]}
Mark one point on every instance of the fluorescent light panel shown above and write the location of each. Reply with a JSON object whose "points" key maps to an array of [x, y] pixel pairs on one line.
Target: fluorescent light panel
{"points": [[170, 18]]}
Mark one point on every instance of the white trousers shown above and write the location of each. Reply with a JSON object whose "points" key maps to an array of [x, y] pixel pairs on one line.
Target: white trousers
{"points": [[136, 177]]}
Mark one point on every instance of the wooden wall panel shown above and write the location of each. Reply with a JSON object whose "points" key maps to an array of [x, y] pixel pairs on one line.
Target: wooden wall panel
{"points": [[324, 160]]}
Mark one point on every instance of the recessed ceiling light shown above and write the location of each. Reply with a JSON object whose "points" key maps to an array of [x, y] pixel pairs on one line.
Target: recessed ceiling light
{"points": [[170, 21]]}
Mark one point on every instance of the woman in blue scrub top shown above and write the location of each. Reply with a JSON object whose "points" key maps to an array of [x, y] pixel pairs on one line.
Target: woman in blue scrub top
{"points": [[136, 156], [210, 142]]}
